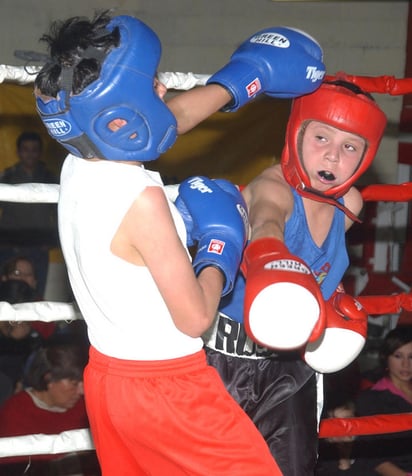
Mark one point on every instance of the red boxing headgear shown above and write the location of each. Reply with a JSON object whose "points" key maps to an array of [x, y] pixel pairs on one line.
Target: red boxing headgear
{"points": [[342, 105]]}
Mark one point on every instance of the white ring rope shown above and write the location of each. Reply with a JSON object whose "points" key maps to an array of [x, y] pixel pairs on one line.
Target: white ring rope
{"points": [[41, 444], [48, 193], [18, 74], [26, 75], [183, 81], [46, 311], [30, 193]]}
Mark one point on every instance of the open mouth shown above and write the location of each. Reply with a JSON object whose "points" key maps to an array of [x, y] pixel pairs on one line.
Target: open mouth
{"points": [[328, 176]]}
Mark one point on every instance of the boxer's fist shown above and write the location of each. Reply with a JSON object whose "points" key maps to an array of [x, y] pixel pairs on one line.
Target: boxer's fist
{"points": [[284, 306], [216, 220], [344, 335], [279, 61]]}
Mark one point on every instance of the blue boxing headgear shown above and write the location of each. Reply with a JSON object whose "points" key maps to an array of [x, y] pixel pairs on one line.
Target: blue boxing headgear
{"points": [[124, 90]]}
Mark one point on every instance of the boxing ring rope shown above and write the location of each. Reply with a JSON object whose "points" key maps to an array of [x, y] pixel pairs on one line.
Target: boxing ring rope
{"points": [[40, 444], [367, 425], [172, 80], [81, 440]]}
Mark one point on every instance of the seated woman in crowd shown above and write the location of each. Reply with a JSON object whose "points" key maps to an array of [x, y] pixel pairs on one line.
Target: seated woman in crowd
{"points": [[53, 402], [387, 454]]}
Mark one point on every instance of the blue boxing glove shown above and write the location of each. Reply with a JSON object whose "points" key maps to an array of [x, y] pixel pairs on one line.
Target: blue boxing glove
{"points": [[215, 216], [279, 61]]}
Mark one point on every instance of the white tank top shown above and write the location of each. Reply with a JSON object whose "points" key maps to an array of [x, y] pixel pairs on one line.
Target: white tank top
{"points": [[126, 315]]}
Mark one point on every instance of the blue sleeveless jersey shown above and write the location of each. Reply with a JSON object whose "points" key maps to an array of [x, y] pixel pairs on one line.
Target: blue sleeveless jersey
{"points": [[328, 262]]}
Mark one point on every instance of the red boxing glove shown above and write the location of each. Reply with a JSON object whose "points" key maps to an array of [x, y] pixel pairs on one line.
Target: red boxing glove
{"points": [[283, 305], [344, 335]]}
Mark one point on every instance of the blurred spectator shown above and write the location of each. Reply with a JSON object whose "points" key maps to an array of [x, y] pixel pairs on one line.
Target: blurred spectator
{"points": [[53, 402], [29, 228], [30, 167], [386, 454], [335, 454], [21, 268], [389, 454], [17, 339]]}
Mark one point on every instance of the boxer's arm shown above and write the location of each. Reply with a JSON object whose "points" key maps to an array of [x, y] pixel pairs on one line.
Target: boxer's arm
{"points": [[270, 203], [279, 61], [192, 301], [194, 106], [283, 303]]}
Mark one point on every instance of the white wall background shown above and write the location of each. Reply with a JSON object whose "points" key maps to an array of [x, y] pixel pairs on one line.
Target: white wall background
{"points": [[359, 37]]}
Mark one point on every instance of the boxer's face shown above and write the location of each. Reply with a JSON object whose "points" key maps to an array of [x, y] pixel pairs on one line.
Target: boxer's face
{"points": [[400, 364], [330, 156]]}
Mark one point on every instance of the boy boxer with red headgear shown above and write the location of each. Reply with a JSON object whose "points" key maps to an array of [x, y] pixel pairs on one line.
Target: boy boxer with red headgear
{"points": [[155, 406], [331, 139], [285, 302]]}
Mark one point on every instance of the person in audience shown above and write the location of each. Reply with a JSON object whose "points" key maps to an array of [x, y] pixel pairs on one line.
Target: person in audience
{"points": [[388, 454], [340, 390], [30, 167], [29, 228], [22, 268], [17, 339], [381, 454], [335, 453], [51, 402]]}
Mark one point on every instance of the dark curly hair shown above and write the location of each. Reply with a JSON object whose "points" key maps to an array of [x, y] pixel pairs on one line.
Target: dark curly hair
{"points": [[77, 45]]}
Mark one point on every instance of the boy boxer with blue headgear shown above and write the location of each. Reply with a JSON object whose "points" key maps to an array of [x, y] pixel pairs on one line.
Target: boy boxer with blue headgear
{"points": [[155, 407]]}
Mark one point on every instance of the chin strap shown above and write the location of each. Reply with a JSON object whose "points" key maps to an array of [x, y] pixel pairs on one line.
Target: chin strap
{"points": [[313, 194]]}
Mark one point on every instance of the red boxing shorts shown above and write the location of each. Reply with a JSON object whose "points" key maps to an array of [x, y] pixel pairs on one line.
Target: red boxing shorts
{"points": [[171, 417]]}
